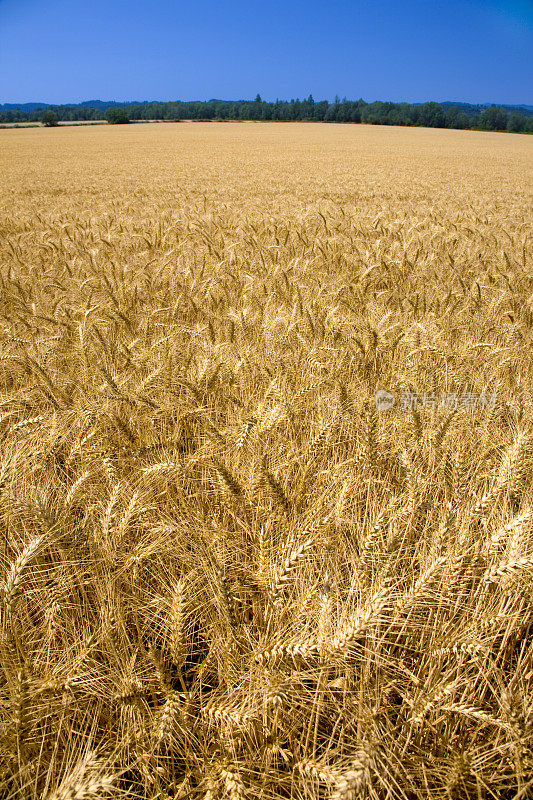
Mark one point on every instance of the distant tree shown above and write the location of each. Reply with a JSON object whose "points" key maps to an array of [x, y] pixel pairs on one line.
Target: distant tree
{"points": [[463, 121], [431, 115], [331, 113], [377, 113], [49, 118], [493, 119], [117, 116], [451, 116], [344, 111], [516, 122]]}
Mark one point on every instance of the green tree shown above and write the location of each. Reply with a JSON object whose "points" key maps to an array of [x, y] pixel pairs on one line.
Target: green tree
{"points": [[117, 116], [431, 115], [463, 121], [451, 116], [49, 118], [516, 122], [493, 119]]}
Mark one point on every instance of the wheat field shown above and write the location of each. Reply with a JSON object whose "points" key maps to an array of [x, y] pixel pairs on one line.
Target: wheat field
{"points": [[225, 571]]}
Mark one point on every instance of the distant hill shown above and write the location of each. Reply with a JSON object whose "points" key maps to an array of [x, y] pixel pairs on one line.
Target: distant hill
{"points": [[103, 105], [470, 108]]}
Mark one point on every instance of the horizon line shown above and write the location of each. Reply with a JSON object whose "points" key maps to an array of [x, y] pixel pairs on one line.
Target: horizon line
{"points": [[251, 100]]}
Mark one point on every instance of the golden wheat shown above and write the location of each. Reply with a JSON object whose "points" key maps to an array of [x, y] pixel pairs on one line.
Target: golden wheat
{"points": [[225, 570]]}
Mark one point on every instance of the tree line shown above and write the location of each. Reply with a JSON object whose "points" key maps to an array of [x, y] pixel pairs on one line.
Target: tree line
{"points": [[432, 114]]}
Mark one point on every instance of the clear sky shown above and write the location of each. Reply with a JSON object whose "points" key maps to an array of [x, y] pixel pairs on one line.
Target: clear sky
{"points": [[60, 51]]}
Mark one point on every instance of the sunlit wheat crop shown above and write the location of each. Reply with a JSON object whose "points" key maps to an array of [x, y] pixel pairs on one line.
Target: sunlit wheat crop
{"points": [[225, 571]]}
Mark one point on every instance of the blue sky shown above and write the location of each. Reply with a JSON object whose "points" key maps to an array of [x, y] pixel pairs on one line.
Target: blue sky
{"points": [[72, 50]]}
